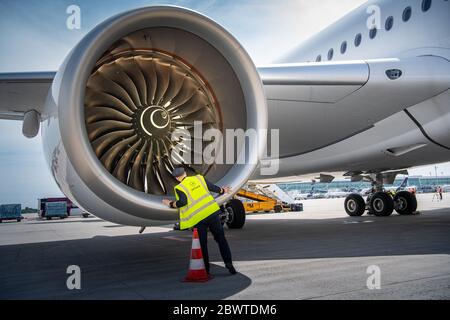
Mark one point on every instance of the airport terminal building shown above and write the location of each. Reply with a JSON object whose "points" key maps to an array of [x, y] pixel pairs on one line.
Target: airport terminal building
{"points": [[423, 184]]}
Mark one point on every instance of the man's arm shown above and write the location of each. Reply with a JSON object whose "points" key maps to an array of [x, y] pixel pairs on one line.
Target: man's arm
{"points": [[182, 200], [213, 188]]}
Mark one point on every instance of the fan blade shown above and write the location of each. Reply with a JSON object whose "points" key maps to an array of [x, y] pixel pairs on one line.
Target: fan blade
{"points": [[148, 69], [99, 145], [99, 82], [194, 155], [136, 180], [176, 82], [110, 156], [203, 115], [126, 44], [98, 98], [162, 72], [133, 70], [197, 102], [121, 169], [153, 185], [119, 75], [166, 146], [94, 114], [97, 129], [188, 89], [166, 176], [198, 134]]}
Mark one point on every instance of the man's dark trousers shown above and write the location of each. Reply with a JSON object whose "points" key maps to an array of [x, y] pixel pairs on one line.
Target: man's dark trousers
{"points": [[213, 224]]}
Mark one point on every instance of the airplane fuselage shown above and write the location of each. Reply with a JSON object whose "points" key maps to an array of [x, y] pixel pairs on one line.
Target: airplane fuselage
{"points": [[366, 127]]}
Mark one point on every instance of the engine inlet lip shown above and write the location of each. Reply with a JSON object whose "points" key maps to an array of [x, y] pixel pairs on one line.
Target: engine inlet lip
{"points": [[78, 66]]}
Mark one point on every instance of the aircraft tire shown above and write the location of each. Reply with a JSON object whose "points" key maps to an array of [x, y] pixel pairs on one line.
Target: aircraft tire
{"points": [[381, 204], [406, 203], [354, 205], [236, 214]]}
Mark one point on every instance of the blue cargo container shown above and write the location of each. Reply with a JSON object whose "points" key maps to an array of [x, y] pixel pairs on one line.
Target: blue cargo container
{"points": [[297, 207], [56, 209], [11, 212]]}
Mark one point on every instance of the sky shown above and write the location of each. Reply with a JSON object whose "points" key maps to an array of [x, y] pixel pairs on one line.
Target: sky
{"points": [[34, 37]]}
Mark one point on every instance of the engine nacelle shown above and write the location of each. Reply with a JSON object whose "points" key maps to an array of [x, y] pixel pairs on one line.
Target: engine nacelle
{"points": [[121, 93]]}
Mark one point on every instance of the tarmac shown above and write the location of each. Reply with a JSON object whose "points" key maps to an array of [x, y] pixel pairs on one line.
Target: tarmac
{"points": [[319, 253]]}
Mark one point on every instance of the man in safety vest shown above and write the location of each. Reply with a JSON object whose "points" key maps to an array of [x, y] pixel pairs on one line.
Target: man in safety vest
{"points": [[198, 209]]}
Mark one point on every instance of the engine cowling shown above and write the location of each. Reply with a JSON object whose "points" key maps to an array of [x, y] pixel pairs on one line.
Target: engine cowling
{"points": [[125, 88]]}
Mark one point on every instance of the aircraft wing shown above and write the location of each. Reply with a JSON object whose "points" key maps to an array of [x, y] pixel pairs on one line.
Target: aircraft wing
{"points": [[324, 82], [22, 92], [25, 91]]}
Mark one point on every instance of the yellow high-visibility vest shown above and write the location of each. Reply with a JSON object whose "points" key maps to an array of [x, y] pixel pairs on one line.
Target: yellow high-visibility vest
{"points": [[200, 202]]}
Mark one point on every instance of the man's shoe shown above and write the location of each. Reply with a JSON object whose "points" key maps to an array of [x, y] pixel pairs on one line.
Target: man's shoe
{"points": [[230, 268]]}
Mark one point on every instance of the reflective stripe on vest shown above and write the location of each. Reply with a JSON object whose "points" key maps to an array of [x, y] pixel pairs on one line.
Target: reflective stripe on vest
{"points": [[200, 203]]}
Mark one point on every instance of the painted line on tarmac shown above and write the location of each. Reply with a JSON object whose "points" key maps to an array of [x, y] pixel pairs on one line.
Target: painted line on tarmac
{"points": [[353, 222], [178, 238]]}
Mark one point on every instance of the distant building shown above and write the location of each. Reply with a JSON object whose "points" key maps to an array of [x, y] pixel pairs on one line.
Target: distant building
{"points": [[422, 183]]}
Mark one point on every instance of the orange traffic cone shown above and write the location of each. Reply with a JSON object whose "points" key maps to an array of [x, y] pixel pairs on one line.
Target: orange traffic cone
{"points": [[197, 271]]}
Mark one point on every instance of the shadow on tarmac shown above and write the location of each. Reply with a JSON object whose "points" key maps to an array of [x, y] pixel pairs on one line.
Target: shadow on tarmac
{"points": [[152, 265]]}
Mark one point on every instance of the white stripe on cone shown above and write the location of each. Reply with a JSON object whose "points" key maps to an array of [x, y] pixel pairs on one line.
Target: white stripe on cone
{"points": [[197, 264], [196, 244]]}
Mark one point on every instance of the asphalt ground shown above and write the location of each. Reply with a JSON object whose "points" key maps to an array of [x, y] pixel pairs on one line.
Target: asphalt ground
{"points": [[319, 253]]}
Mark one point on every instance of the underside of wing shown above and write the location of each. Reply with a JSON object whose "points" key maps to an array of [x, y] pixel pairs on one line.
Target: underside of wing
{"points": [[23, 92]]}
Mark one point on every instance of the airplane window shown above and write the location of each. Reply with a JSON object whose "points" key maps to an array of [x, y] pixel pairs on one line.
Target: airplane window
{"points": [[343, 47], [406, 14], [426, 4], [319, 58], [330, 54], [373, 33], [358, 39], [389, 23]]}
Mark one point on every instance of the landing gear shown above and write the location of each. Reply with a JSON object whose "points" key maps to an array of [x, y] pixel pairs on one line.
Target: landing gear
{"points": [[405, 203], [381, 204], [355, 205], [235, 214]]}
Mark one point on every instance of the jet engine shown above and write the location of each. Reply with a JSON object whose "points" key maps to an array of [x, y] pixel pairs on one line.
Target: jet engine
{"points": [[123, 91]]}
